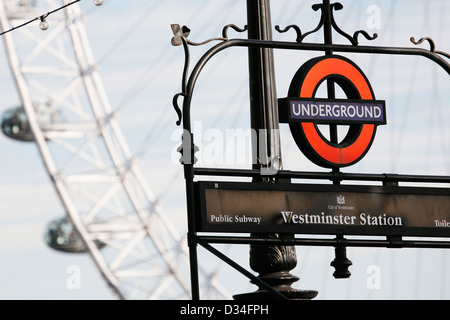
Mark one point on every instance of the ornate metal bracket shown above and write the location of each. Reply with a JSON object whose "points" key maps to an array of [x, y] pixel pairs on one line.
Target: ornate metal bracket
{"points": [[327, 21], [432, 46], [180, 38]]}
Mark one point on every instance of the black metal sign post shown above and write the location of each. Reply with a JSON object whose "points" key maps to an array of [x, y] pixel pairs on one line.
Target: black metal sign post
{"points": [[277, 211], [272, 262]]}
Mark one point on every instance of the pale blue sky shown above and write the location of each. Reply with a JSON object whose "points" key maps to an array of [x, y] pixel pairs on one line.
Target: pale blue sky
{"points": [[141, 72]]}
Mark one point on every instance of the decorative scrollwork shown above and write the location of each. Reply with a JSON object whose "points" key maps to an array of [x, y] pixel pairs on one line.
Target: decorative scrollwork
{"points": [[365, 34], [300, 36], [432, 45], [327, 23], [234, 27], [176, 107], [353, 40], [181, 33], [180, 37], [297, 29]]}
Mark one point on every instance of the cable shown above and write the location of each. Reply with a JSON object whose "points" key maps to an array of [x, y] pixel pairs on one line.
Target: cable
{"points": [[44, 24], [126, 34]]}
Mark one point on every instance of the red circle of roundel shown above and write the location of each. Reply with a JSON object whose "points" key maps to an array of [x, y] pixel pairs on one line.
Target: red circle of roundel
{"points": [[307, 135]]}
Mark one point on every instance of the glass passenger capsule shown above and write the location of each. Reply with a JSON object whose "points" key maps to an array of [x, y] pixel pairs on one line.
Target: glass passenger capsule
{"points": [[15, 125], [61, 235]]}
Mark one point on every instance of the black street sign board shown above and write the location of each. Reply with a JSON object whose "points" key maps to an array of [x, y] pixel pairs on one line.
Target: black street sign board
{"points": [[323, 209]]}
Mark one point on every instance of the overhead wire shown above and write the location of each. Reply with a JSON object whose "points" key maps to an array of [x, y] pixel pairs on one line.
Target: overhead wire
{"points": [[412, 84], [41, 17], [142, 82], [145, 80], [146, 14], [151, 134], [148, 74], [225, 12]]}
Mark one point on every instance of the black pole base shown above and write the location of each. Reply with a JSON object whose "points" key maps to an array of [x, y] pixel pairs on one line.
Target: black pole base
{"points": [[291, 294], [265, 295], [284, 280]]}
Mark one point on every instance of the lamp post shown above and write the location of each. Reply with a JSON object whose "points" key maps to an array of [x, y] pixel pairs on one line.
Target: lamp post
{"points": [[272, 262]]}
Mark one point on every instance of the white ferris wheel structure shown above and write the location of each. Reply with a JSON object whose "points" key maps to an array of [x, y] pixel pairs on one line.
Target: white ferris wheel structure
{"points": [[68, 116]]}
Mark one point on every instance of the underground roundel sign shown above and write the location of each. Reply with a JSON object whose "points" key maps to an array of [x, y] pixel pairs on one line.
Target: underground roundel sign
{"points": [[359, 111]]}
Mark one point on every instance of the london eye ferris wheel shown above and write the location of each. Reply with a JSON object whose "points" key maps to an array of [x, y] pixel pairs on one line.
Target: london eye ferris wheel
{"points": [[111, 212], [113, 215]]}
